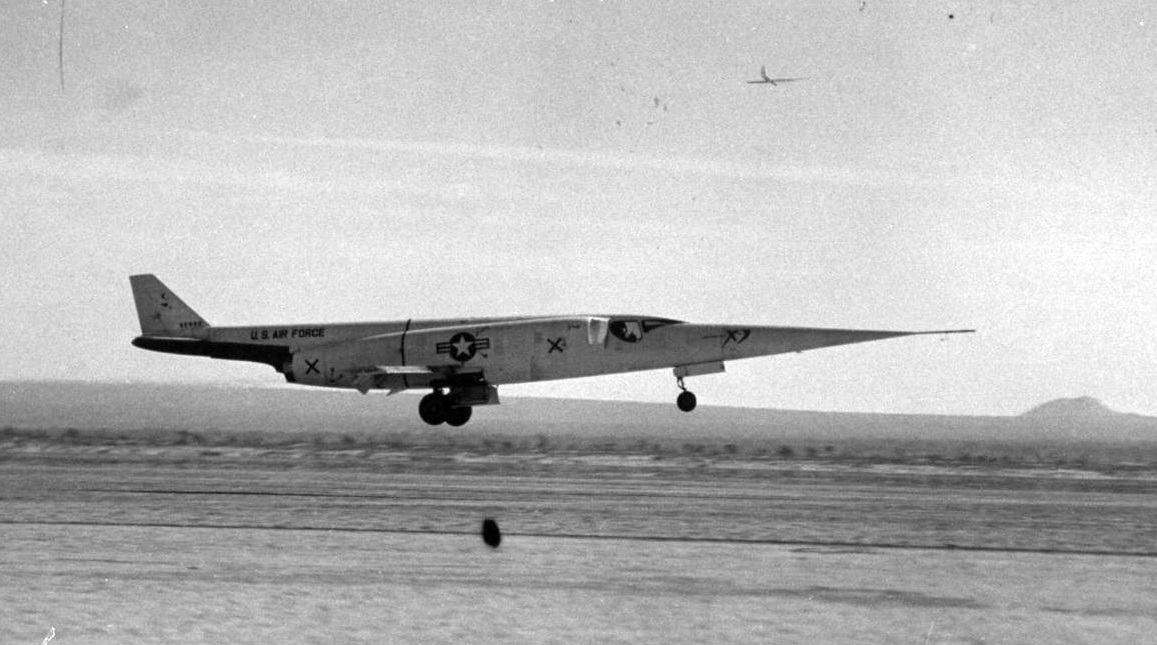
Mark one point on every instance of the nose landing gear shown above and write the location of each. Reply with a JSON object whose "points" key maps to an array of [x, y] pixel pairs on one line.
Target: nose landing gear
{"points": [[686, 399]]}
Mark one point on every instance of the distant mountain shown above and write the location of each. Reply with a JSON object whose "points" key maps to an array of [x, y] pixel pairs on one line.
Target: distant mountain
{"points": [[126, 408], [1082, 407]]}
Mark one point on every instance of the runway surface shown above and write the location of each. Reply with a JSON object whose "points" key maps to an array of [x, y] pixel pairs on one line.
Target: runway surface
{"points": [[180, 545]]}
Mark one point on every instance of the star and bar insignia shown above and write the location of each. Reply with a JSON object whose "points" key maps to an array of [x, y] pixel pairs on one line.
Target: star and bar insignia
{"points": [[463, 346]]}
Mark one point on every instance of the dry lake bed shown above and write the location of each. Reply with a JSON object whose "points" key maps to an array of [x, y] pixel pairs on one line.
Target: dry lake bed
{"points": [[241, 545]]}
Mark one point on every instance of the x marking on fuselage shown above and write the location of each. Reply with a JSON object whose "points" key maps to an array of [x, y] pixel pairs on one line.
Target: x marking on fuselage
{"points": [[736, 336], [556, 345], [311, 366]]}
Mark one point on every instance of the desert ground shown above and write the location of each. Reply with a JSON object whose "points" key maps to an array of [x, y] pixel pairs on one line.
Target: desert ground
{"points": [[188, 544]]}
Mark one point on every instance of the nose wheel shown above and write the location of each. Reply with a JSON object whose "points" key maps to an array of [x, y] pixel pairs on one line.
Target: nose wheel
{"points": [[686, 399]]}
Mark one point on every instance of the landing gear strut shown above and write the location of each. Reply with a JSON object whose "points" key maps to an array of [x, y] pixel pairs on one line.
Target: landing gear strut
{"points": [[686, 399], [435, 409]]}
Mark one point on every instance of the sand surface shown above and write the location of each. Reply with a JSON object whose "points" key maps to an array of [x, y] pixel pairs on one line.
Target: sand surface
{"points": [[175, 546]]}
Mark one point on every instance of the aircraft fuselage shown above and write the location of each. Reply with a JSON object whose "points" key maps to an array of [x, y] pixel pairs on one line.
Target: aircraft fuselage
{"points": [[463, 360]]}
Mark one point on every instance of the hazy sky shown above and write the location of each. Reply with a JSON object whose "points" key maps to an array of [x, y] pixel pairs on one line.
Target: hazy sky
{"points": [[944, 165]]}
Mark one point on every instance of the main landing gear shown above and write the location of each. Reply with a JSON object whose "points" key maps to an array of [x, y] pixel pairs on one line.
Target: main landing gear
{"points": [[435, 408], [686, 399]]}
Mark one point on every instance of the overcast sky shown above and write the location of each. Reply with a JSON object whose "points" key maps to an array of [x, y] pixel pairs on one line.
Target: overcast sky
{"points": [[943, 165]]}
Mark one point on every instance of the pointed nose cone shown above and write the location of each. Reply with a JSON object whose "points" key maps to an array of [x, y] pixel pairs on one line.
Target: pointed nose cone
{"points": [[730, 343], [779, 340]]}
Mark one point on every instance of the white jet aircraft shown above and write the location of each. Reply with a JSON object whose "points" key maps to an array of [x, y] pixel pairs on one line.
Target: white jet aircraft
{"points": [[462, 361]]}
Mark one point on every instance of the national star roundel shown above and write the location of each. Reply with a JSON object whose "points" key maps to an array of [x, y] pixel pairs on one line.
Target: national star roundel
{"points": [[463, 346]]}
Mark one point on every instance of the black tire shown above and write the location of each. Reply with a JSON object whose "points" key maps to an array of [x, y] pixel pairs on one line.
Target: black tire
{"points": [[459, 416], [686, 401], [432, 408]]}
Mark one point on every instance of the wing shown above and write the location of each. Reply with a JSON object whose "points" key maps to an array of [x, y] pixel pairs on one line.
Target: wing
{"points": [[762, 76], [773, 81]]}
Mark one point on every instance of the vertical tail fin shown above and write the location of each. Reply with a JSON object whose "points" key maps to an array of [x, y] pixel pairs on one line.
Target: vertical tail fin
{"points": [[161, 312]]}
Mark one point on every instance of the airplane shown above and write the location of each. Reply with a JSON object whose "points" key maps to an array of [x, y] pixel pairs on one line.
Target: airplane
{"points": [[773, 81], [462, 361]]}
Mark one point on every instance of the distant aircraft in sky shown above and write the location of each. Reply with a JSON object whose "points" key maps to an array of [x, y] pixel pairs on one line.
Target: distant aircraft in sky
{"points": [[774, 81], [462, 361]]}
